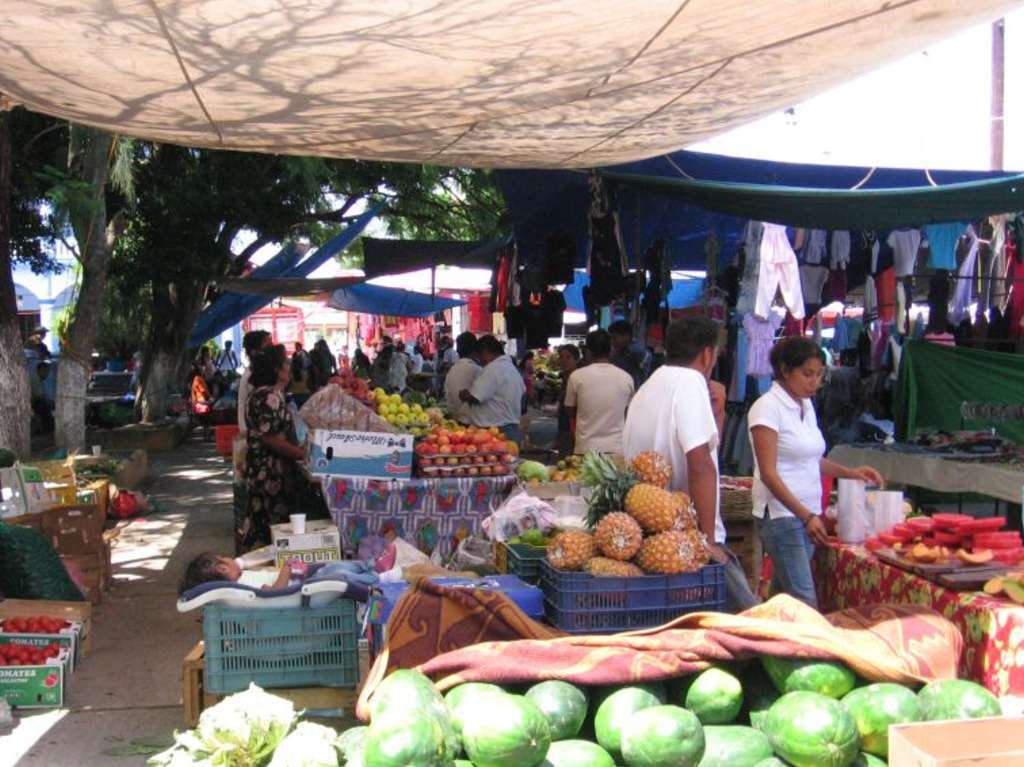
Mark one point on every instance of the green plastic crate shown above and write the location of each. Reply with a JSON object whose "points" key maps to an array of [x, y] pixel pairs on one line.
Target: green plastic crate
{"points": [[288, 647]]}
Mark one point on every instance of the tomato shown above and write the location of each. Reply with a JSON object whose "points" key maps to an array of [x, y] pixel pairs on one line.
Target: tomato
{"points": [[14, 662]]}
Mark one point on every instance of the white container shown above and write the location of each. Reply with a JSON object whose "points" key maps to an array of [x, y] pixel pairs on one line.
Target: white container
{"points": [[298, 523], [97, 450], [851, 511], [885, 509]]}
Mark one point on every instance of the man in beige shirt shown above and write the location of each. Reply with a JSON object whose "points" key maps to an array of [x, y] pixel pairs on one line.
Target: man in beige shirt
{"points": [[597, 396]]}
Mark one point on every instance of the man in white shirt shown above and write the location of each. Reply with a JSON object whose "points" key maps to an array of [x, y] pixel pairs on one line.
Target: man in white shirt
{"points": [[461, 377], [496, 397], [227, 360], [597, 396], [253, 342], [679, 412]]}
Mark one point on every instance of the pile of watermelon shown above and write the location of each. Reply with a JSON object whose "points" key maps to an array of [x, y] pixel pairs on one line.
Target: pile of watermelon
{"points": [[770, 712]]}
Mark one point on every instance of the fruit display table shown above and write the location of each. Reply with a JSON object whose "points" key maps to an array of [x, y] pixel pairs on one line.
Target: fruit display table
{"points": [[850, 576], [932, 471], [422, 510]]}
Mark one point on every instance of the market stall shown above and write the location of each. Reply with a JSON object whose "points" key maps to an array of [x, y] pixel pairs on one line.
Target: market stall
{"points": [[850, 576]]}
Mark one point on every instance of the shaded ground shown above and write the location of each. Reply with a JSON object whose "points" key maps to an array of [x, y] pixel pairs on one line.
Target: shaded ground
{"points": [[130, 686]]}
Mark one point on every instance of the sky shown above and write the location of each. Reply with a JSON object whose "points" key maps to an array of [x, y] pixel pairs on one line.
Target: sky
{"points": [[928, 110]]}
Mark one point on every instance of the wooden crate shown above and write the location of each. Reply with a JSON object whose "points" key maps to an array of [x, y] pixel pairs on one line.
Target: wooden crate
{"points": [[194, 698]]}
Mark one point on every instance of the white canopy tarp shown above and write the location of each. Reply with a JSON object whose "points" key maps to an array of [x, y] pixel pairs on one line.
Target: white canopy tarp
{"points": [[541, 83]]}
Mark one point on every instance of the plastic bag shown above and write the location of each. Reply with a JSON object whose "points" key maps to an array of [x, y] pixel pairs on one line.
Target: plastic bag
{"points": [[332, 408], [128, 504], [520, 512], [473, 552]]}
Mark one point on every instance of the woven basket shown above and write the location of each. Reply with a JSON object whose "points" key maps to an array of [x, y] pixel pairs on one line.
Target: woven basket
{"points": [[737, 503]]}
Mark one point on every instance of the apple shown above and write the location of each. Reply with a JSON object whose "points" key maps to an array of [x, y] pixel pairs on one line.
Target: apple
{"points": [[508, 458], [426, 462], [478, 459], [486, 471], [470, 448], [453, 461], [473, 471]]}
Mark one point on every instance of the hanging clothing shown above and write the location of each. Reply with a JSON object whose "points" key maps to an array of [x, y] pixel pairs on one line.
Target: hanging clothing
{"points": [[815, 247], [870, 299], [606, 261], [846, 332], [942, 240], [905, 244], [779, 272], [812, 282], [901, 307], [751, 251], [839, 250], [963, 291], [996, 289], [761, 335], [885, 289], [837, 285], [1015, 305], [738, 383]]}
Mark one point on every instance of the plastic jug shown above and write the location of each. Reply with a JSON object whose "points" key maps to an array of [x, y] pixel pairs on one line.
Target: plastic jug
{"points": [[885, 509], [851, 511]]}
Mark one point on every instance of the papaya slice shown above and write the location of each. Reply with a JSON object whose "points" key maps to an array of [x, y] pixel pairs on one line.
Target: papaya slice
{"points": [[979, 557], [1014, 591], [993, 586], [923, 553]]}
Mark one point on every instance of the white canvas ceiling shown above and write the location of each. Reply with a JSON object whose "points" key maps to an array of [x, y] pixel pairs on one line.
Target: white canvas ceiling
{"points": [[552, 83]]}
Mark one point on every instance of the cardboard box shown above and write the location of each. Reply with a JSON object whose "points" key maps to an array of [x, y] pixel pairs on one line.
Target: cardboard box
{"points": [[43, 686], [74, 612], [68, 640], [74, 530], [91, 569], [320, 543], [996, 742], [360, 454]]}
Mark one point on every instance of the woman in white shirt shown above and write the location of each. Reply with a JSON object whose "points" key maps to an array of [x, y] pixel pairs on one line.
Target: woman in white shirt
{"points": [[789, 457]]}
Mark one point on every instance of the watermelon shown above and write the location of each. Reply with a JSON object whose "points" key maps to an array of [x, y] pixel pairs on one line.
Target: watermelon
{"points": [[956, 699], [404, 689], [731, 745], [771, 761], [875, 707], [406, 739], [868, 760], [461, 763], [663, 736], [510, 731], [808, 729], [577, 753], [617, 707], [351, 741], [716, 697], [824, 677], [564, 706], [7, 458], [467, 697]]}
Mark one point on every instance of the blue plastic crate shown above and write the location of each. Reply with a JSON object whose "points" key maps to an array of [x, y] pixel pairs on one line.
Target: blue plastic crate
{"points": [[288, 647], [581, 603]]}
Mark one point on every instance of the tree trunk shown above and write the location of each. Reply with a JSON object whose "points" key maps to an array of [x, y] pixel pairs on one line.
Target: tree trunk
{"points": [[175, 310], [89, 153], [15, 415]]}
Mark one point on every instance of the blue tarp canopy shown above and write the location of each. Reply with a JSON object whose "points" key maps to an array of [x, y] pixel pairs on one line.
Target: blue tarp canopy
{"points": [[393, 302], [686, 291], [542, 203], [231, 308]]}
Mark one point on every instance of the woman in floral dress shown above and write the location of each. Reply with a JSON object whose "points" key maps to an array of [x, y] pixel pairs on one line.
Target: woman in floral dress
{"points": [[272, 449]]}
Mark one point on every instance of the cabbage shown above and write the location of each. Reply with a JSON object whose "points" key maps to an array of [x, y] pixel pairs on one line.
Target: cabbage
{"points": [[308, 745], [529, 470], [244, 729]]}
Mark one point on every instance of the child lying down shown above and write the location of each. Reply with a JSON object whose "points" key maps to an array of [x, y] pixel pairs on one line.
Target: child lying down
{"points": [[210, 566]]}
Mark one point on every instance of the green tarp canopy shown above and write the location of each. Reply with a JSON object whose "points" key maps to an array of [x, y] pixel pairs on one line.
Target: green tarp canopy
{"points": [[935, 380], [835, 209]]}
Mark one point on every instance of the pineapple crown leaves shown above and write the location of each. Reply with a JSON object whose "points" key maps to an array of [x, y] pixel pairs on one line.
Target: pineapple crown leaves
{"points": [[608, 483]]}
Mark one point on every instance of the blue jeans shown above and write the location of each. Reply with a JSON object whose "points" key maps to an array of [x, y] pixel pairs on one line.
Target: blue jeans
{"points": [[786, 541]]}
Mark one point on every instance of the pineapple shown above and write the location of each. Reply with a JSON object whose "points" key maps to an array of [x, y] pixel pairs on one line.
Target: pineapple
{"points": [[673, 552], [618, 536], [610, 567], [652, 468], [686, 519], [570, 550], [608, 485], [655, 509]]}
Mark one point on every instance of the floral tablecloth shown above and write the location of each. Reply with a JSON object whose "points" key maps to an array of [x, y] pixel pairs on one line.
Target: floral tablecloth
{"points": [[993, 629], [427, 511]]}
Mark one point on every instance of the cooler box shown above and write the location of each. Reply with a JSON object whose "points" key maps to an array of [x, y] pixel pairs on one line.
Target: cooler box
{"points": [[530, 600]]}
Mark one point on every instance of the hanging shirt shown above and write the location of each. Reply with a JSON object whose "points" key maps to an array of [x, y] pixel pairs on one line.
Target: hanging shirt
{"points": [[905, 244], [963, 291], [839, 252], [227, 360], [942, 240], [816, 246], [779, 273], [801, 447], [499, 390], [671, 414], [761, 337]]}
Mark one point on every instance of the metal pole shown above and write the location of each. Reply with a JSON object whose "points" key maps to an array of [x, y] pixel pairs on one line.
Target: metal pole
{"points": [[998, 92]]}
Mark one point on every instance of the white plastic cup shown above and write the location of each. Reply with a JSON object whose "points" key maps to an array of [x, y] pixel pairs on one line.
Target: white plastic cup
{"points": [[97, 450], [298, 523]]}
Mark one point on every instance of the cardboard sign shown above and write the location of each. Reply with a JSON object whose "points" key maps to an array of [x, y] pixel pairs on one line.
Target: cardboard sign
{"points": [[360, 454], [320, 543]]}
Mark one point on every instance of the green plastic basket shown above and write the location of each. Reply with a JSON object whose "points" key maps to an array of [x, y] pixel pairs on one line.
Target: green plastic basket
{"points": [[288, 647]]}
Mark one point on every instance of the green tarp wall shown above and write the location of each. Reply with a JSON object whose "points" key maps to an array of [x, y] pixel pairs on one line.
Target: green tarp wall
{"points": [[934, 381]]}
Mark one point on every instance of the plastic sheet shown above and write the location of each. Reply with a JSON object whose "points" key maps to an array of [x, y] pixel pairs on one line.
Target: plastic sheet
{"points": [[332, 408]]}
